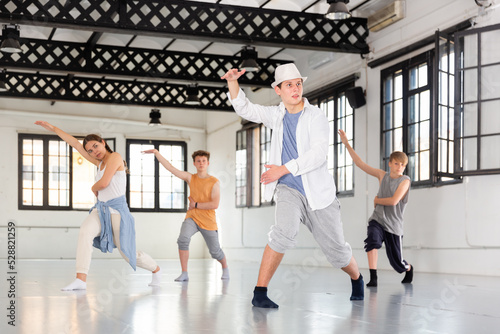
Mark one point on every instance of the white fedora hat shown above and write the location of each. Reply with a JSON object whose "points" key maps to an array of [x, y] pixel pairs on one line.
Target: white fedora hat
{"points": [[286, 72]]}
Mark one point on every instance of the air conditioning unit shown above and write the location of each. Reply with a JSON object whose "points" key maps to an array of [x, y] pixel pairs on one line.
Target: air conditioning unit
{"points": [[386, 16]]}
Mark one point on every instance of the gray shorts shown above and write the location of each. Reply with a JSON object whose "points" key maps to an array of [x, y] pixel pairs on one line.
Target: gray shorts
{"points": [[325, 225], [189, 228]]}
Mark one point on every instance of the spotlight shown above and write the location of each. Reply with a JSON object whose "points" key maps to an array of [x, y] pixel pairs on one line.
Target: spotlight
{"points": [[155, 116], [10, 36], [192, 98], [249, 59], [338, 10]]}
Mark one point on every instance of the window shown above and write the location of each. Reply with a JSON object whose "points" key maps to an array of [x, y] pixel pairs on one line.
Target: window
{"points": [[53, 176], [445, 102], [478, 101], [265, 151], [150, 186], [253, 144], [45, 167], [241, 168], [340, 115], [406, 110]]}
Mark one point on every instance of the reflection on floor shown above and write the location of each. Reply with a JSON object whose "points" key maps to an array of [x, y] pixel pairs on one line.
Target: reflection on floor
{"points": [[311, 299]]}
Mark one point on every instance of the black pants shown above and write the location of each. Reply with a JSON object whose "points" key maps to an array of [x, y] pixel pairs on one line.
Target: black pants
{"points": [[393, 245]]}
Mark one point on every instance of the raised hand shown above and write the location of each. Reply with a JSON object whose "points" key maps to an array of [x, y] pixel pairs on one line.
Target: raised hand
{"points": [[233, 74], [46, 125], [343, 137], [153, 150]]}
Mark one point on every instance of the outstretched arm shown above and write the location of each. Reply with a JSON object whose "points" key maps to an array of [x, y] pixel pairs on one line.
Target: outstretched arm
{"points": [[232, 77], [378, 173], [186, 176], [72, 141], [398, 195]]}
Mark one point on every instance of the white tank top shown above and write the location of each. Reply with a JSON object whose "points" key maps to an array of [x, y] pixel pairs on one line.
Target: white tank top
{"points": [[116, 187]]}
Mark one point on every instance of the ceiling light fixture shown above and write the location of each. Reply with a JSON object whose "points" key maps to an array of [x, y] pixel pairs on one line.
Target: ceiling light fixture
{"points": [[338, 10], [484, 3], [249, 59], [3, 86], [10, 39], [192, 98], [155, 116]]}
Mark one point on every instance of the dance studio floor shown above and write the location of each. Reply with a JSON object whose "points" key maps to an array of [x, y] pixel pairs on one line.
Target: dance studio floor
{"points": [[311, 299]]}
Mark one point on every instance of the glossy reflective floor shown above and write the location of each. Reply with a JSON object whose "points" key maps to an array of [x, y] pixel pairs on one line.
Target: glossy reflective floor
{"points": [[311, 299]]}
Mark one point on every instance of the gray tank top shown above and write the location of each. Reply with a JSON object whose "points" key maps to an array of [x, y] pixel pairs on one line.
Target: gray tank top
{"points": [[391, 217]]}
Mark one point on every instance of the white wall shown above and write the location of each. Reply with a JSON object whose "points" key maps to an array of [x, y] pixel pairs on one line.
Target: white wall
{"points": [[449, 229], [53, 234]]}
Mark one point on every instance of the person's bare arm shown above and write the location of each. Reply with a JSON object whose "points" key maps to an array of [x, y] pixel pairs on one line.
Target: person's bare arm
{"points": [[214, 200], [72, 141], [183, 175], [378, 173], [398, 195], [114, 163]]}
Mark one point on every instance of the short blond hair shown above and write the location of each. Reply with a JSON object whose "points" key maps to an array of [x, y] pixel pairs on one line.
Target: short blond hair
{"points": [[399, 156]]}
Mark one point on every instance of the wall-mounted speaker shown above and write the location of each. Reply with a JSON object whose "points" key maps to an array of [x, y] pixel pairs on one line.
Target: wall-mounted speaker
{"points": [[356, 97]]}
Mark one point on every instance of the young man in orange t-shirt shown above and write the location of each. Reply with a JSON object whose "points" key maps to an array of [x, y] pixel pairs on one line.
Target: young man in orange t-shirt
{"points": [[204, 197]]}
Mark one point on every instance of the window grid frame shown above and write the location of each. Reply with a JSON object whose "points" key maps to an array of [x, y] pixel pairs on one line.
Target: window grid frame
{"points": [[253, 164], [332, 95], [157, 144], [267, 143], [460, 103], [242, 201], [445, 48], [45, 173], [404, 67]]}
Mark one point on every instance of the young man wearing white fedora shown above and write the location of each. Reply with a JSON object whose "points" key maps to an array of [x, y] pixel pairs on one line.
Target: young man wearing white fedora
{"points": [[298, 176]]}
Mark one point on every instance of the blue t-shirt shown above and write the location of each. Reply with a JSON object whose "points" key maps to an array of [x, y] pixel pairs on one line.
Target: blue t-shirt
{"points": [[289, 151]]}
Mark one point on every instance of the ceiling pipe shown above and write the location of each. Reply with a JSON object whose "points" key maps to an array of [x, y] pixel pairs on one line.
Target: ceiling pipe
{"points": [[142, 124]]}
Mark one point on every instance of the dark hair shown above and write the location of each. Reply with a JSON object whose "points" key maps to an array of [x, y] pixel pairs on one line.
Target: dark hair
{"points": [[201, 153], [93, 137]]}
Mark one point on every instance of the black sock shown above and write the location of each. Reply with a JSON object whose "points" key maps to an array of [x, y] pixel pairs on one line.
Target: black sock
{"points": [[373, 278], [260, 298], [408, 276], [358, 288]]}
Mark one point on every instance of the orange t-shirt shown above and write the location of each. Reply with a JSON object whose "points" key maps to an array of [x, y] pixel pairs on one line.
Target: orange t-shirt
{"points": [[200, 191]]}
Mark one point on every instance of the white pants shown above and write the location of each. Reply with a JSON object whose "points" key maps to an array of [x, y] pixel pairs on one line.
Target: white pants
{"points": [[91, 228]]}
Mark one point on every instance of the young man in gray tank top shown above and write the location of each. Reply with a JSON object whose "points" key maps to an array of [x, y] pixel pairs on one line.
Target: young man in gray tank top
{"points": [[385, 225]]}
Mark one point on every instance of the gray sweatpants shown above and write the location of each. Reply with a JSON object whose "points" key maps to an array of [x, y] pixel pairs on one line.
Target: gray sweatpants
{"points": [[325, 225], [189, 228]]}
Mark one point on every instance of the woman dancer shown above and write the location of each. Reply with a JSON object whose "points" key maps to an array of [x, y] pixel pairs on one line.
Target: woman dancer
{"points": [[109, 224]]}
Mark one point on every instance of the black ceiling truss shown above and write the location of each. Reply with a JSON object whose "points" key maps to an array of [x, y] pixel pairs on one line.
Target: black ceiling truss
{"points": [[101, 90], [195, 20], [101, 60], [153, 77]]}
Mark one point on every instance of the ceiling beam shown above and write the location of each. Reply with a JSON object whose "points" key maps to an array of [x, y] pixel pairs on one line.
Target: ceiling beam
{"points": [[111, 91], [196, 21], [127, 62]]}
